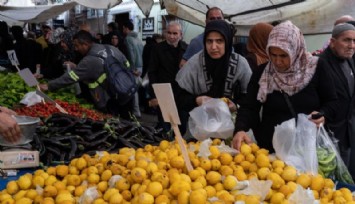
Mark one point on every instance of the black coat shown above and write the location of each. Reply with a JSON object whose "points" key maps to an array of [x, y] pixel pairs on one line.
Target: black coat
{"points": [[164, 63], [318, 95], [343, 124]]}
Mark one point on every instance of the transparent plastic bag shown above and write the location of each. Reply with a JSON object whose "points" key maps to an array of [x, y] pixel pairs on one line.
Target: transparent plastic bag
{"points": [[296, 145], [31, 98], [330, 163], [211, 120]]}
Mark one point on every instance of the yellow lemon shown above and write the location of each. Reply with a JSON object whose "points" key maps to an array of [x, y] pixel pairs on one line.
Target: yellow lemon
{"points": [[24, 200], [62, 197], [346, 194], [93, 178], [250, 158], [62, 170], [162, 199], [79, 190], [215, 164], [106, 175], [205, 164], [49, 191], [254, 148], [317, 183], [239, 158], [289, 174], [197, 196], [211, 191], [252, 199], [245, 149], [24, 182], [116, 199], [177, 162], [286, 190], [215, 153], [304, 180], [102, 186], [196, 185], [122, 184], [230, 182], [37, 180], [111, 191], [262, 160], [12, 187], [183, 197], [278, 163], [329, 183], [213, 177], [225, 158], [276, 179], [164, 145], [81, 163], [263, 172], [179, 186], [194, 174], [225, 170], [277, 198], [145, 198], [52, 170], [216, 141]]}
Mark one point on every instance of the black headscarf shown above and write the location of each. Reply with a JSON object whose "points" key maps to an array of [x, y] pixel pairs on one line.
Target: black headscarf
{"points": [[217, 68]]}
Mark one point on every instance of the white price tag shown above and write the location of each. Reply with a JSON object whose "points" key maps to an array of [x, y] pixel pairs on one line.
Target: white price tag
{"points": [[13, 57]]}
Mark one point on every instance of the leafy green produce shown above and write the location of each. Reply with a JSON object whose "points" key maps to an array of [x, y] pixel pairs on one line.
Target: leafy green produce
{"points": [[14, 89]]}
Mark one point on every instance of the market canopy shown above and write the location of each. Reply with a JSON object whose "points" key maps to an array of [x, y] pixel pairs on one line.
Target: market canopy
{"points": [[37, 14], [312, 16]]}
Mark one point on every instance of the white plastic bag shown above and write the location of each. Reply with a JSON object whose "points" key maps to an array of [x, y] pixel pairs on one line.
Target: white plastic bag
{"points": [[31, 98], [296, 146], [211, 120]]}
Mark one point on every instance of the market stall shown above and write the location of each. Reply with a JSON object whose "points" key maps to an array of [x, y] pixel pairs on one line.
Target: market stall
{"points": [[89, 157]]}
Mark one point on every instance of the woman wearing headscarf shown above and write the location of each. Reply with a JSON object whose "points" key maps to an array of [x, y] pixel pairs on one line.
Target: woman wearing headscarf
{"points": [[52, 64], [256, 46], [215, 72], [292, 71]]}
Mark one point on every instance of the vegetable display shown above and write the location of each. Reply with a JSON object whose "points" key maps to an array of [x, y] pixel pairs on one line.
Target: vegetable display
{"points": [[63, 137], [45, 110]]}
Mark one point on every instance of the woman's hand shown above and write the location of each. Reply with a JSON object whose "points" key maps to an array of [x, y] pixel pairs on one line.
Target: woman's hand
{"points": [[240, 137], [9, 128], [8, 111], [317, 120], [201, 99], [231, 105]]}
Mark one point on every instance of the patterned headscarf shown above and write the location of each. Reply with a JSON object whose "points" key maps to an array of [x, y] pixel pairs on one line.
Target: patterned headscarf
{"points": [[67, 38], [54, 36], [289, 38], [257, 41]]}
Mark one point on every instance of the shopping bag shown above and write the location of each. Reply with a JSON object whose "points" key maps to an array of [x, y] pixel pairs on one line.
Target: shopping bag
{"points": [[296, 144], [330, 163], [31, 98], [211, 120]]}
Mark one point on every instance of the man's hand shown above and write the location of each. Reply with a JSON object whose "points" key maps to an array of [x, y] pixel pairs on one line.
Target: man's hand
{"points": [[71, 64], [9, 128], [43, 87], [153, 102], [240, 137]]}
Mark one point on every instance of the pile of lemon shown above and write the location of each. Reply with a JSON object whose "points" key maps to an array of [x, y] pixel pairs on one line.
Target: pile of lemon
{"points": [[157, 174]]}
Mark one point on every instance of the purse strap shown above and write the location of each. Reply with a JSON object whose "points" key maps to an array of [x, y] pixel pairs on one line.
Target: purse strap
{"points": [[289, 104]]}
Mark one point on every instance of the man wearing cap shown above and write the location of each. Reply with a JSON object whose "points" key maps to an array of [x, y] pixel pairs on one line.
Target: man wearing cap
{"points": [[339, 55]]}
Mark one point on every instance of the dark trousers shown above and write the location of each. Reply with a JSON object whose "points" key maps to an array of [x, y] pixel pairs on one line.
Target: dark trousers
{"points": [[123, 111]]}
